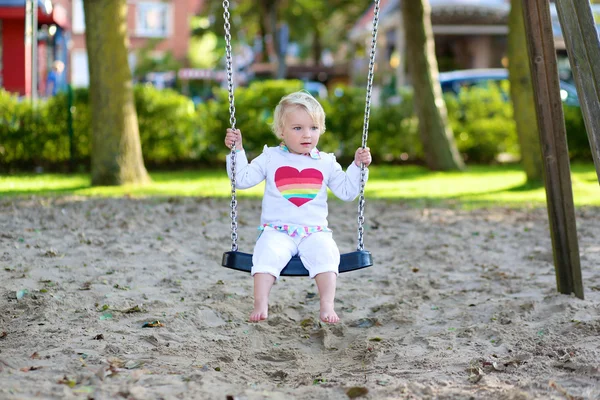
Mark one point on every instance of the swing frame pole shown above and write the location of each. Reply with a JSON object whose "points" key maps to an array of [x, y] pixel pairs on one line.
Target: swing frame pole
{"points": [[553, 139], [583, 47]]}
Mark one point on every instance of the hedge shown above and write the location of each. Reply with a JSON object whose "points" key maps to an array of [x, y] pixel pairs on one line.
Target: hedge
{"points": [[174, 132]]}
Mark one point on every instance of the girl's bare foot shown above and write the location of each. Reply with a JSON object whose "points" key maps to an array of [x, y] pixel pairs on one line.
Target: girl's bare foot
{"points": [[328, 314], [262, 287], [260, 312], [326, 284]]}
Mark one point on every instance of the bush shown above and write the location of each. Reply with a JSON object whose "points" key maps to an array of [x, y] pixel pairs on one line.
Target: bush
{"points": [[31, 136], [254, 115], [172, 132], [40, 137], [483, 124], [577, 139], [169, 130], [392, 130]]}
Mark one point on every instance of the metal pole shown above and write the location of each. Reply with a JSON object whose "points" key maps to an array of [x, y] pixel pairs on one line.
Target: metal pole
{"points": [[28, 25], [70, 128], [34, 51]]}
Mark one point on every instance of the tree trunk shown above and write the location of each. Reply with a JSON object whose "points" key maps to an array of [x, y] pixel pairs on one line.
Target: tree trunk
{"points": [[521, 93], [269, 13], [317, 45], [439, 146], [116, 149], [264, 54]]}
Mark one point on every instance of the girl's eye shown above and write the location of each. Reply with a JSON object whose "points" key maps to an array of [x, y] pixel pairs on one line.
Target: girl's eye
{"points": [[296, 128], [314, 128]]}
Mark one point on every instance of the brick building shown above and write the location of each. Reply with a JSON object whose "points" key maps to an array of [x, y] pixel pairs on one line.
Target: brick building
{"points": [[167, 21], [61, 36]]}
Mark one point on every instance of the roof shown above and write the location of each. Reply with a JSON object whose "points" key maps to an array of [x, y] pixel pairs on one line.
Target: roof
{"points": [[441, 10], [459, 12]]}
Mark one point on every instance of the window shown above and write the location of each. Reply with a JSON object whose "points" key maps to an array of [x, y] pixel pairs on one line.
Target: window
{"points": [[78, 17], [153, 19], [80, 75]]}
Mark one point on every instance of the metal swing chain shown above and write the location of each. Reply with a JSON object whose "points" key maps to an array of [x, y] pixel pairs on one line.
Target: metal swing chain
{"points": [[365, 135], [232, 121], [229, 64]]}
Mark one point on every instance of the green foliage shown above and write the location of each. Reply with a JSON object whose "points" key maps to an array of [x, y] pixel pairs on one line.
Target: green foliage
{"points": [[168, 126], [394, 132], [254, 116], [28, 137], [205, 51], [172, 132], [483, 124], [478, 186], [147, 63], [577, 139], [37, 136], [344, 111], [13, 123]]}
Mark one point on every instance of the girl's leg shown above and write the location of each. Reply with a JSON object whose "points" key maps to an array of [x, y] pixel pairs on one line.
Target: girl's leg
{"points": [[321, 257], [262, 287], [272, 252], [326, 284]]}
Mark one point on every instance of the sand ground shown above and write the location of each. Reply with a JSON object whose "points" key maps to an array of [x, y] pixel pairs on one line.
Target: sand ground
{"points": [[460, 305]]}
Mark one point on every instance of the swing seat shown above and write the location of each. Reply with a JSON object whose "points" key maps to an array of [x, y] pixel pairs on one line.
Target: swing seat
{"points": [[348, 262]]}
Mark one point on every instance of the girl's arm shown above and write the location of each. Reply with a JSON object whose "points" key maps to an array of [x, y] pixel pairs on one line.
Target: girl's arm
{"points": [[345, 185], [247, 175]]}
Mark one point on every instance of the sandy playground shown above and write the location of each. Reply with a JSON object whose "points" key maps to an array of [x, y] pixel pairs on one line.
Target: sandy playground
{"points": [[460, 305]]}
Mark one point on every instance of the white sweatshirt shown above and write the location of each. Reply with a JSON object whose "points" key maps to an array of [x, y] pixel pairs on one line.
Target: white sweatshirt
{"points": [[296, 185]]}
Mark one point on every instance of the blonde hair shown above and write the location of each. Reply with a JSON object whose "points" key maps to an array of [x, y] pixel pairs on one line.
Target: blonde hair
{"points": [[303, 100]]}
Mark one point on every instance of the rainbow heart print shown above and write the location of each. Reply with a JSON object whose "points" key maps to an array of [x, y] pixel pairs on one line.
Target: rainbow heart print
{"points": [[299, 187]]}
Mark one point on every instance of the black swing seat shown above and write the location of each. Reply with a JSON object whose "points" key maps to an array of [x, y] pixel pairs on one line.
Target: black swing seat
{"points": [[348, 262]]}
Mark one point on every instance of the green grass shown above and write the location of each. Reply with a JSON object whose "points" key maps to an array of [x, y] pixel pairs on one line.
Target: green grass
{"points": [[477, 187]]}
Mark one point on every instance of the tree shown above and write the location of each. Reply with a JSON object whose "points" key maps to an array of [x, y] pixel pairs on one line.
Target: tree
{"points": [[439, 146], [521, 93], [313, 25], [116, 149], [248, 19], [319, 25], [146, 63], [269, 24]]}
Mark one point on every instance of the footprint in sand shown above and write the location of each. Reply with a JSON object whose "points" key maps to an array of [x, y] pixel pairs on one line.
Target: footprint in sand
{"points": [[279, 355], [363, 323]]}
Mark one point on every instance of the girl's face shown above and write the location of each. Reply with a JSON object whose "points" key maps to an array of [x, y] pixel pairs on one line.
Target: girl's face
{"points": [[300, 133]]}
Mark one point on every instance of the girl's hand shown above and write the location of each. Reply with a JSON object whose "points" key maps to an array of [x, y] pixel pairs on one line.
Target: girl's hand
{"points": [[233, 137], [363, 156]]}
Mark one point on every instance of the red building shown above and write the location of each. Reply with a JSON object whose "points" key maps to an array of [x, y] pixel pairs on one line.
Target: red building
{"points": [[15, 53], [61, 36]]}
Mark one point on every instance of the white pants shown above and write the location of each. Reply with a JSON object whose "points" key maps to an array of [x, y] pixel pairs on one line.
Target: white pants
{"points": [[274, 249]]}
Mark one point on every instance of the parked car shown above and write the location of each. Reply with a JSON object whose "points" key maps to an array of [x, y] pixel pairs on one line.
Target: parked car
{"points": [[453, 81]]}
